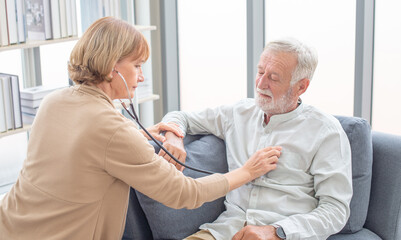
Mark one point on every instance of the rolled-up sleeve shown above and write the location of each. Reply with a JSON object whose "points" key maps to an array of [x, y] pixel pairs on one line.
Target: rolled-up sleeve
{"points": [[209, 121], [131, 158]]}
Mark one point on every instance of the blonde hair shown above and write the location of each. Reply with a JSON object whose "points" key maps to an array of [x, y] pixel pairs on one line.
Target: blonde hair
{"points": [[107, 41]]}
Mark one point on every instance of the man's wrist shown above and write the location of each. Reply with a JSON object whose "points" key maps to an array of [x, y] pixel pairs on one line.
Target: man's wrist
{"points": [[279, 231]]}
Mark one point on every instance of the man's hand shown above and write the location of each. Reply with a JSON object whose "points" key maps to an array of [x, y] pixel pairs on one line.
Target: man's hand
{"points": [[161, 127], [175, 145], [251, 232]]}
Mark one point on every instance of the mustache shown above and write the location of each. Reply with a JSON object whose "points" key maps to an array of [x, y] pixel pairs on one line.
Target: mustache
{"points": [[264, 92]]}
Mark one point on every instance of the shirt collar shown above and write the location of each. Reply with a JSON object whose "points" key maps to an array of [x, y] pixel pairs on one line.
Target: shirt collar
{"points": [[279, 118], [94, 91]]}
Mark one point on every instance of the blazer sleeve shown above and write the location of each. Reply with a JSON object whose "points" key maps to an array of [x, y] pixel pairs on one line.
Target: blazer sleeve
{"points": [[130, 158]]}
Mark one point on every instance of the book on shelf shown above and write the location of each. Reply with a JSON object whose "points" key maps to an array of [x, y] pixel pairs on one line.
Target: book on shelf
{"points": [[3, 124], [20, 6], [3, 24], [11, 98], [69, 18], [8, 109], [29, 110], [11, 22], [38, 19], [55, 13], [16, 101], [63, 18], [30, 103], [37, 93], [48, 19], [90, 11], [74, 18]]}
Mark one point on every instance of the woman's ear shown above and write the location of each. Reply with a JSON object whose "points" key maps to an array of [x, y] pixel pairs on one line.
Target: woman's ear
{"points": [[111, 75]]}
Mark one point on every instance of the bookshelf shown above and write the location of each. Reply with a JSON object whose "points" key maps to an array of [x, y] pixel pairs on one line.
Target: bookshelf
{"points": [[152, 97], [35, 44]]}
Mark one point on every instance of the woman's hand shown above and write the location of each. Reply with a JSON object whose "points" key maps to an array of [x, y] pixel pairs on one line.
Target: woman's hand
{"points": [[259, 163], [163, 127], [262, 162]]}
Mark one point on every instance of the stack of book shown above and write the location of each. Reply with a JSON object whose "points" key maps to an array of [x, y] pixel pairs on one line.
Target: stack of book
{"points": [[31, 99], [10, 105]]}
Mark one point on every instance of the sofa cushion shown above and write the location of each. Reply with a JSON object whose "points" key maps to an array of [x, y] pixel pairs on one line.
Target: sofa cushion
{"points": [[208, 153], [359, 135], [364, 234], [384, 216]]}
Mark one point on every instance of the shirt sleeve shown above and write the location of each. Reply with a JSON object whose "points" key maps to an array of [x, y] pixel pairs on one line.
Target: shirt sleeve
{"points": [[331, 168], [209, 121], [130, 158]]}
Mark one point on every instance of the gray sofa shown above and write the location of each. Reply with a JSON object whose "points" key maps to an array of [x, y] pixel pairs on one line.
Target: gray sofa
{"points": [[375, 206]]}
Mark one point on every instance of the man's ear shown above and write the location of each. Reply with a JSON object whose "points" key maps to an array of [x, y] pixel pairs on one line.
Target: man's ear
{"points": [[302, 85]]}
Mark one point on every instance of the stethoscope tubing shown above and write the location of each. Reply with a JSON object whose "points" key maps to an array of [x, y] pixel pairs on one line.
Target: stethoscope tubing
{"points": [[135, 117]]}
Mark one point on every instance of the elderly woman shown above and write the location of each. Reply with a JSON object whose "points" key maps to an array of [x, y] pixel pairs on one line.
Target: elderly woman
{"points": [[83, 154]]}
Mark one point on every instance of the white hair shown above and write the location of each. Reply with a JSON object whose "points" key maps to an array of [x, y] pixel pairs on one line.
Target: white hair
{"points": [[306, 56]]}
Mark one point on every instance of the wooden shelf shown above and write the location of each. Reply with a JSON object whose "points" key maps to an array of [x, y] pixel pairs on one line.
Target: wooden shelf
{"points": [[15, 131], [33, 44], [152, 97], [145, 28], [27, 127]]}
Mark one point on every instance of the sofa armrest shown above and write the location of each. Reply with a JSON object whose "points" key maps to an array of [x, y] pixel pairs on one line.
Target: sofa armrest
{"points": [[384, 216]]}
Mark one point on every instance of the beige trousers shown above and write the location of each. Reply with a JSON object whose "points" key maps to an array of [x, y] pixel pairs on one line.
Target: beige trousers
{"points": [[201, 235]]}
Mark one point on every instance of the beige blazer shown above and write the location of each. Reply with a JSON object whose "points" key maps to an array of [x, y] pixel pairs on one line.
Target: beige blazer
{"points": [[82, 157]]}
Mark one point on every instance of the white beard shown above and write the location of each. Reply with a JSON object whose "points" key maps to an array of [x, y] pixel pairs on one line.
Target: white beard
{"points": [[273, 106]]}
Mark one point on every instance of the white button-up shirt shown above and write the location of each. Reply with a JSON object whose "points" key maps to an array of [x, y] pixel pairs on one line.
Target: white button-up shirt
{"points": [[309, 192]]}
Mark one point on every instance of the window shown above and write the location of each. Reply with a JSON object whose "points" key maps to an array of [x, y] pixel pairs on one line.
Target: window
{"points": [[14, 57], [386, 116], [212, 52], [328, 26], [55, 72]]}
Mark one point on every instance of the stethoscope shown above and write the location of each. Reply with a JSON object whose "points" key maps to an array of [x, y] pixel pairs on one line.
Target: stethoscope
{"points": [[135, 117]]}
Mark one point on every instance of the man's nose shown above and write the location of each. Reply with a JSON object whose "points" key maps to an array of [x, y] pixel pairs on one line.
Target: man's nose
{"points": [[263, 82]]}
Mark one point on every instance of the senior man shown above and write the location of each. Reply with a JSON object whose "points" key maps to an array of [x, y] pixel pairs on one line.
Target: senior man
{"points": [[308, 195]]}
